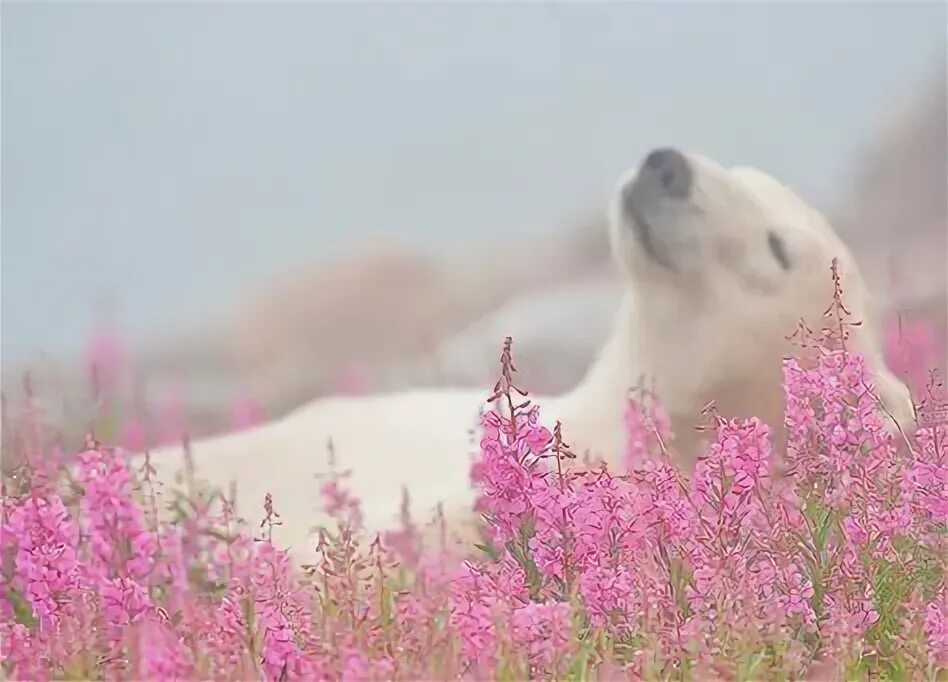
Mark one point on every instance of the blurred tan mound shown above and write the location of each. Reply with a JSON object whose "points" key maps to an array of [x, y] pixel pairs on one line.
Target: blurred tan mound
{"points": [[897, 221], [386, 310], [366, 306]]}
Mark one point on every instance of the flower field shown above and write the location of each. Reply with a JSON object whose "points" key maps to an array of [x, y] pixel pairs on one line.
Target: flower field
{"points": [[826, 561]]}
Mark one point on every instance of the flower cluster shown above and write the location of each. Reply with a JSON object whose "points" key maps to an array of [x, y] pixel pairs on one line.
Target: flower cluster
{"points": [[825, 558]]}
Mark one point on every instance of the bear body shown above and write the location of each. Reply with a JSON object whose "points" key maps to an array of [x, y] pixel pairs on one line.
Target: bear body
{"points": [[718, 266]]}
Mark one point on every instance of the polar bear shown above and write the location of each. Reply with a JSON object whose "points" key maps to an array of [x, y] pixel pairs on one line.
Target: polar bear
{"points": [[718, 266]]}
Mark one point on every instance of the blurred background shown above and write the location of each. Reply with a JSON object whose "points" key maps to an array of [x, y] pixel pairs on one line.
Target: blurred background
{"points": [[214, 212]]}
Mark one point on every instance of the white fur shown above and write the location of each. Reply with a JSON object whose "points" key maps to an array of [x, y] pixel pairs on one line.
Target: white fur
{"points": [[712, 328]]}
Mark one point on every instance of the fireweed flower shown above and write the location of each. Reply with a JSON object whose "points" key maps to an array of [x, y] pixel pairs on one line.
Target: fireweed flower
{"points": [[21, 657], [545, 631], [336, 499], [162, 653], [731, 572], [507, 469], [936, 628], [476, 611], [281, 615], [221, 635], [114, 523], [911, 349], [43, 537], [648, 429], [610, 597]]}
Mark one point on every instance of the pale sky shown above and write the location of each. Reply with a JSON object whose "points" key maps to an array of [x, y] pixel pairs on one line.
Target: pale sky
{"points": [[172, 156]]}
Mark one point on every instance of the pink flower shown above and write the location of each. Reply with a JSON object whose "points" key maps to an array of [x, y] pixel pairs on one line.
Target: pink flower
{"points": [[124, 601], [502, 473], [609, 596], [21, 652], [936, 629], [221, 633], [799, 592], [476, 611], [339, 503], [163, 654], [640, 572], [46, 569], [911, 349], [114, 522], [649, 430], [545, 630]]}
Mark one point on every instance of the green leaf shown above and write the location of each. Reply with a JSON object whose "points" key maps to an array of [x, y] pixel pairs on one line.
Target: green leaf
{"points": [[22, 612]]}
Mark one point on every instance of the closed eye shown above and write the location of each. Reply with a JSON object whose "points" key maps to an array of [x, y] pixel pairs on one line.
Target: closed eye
{"points": [[778, 249]]}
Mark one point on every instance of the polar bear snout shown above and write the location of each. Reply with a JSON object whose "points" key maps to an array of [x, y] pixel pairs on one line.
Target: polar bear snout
{"points": [[664, 175], [664, 178]]}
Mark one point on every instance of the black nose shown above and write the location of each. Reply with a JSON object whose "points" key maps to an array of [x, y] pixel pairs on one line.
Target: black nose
{"points": [[668, 169]]}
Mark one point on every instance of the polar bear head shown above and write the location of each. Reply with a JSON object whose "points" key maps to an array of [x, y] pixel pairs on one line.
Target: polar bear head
{"points": [[724, 264]]}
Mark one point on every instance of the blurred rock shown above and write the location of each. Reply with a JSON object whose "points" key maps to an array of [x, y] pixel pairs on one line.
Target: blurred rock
{"points": [[556, 332], [379, 303]]}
